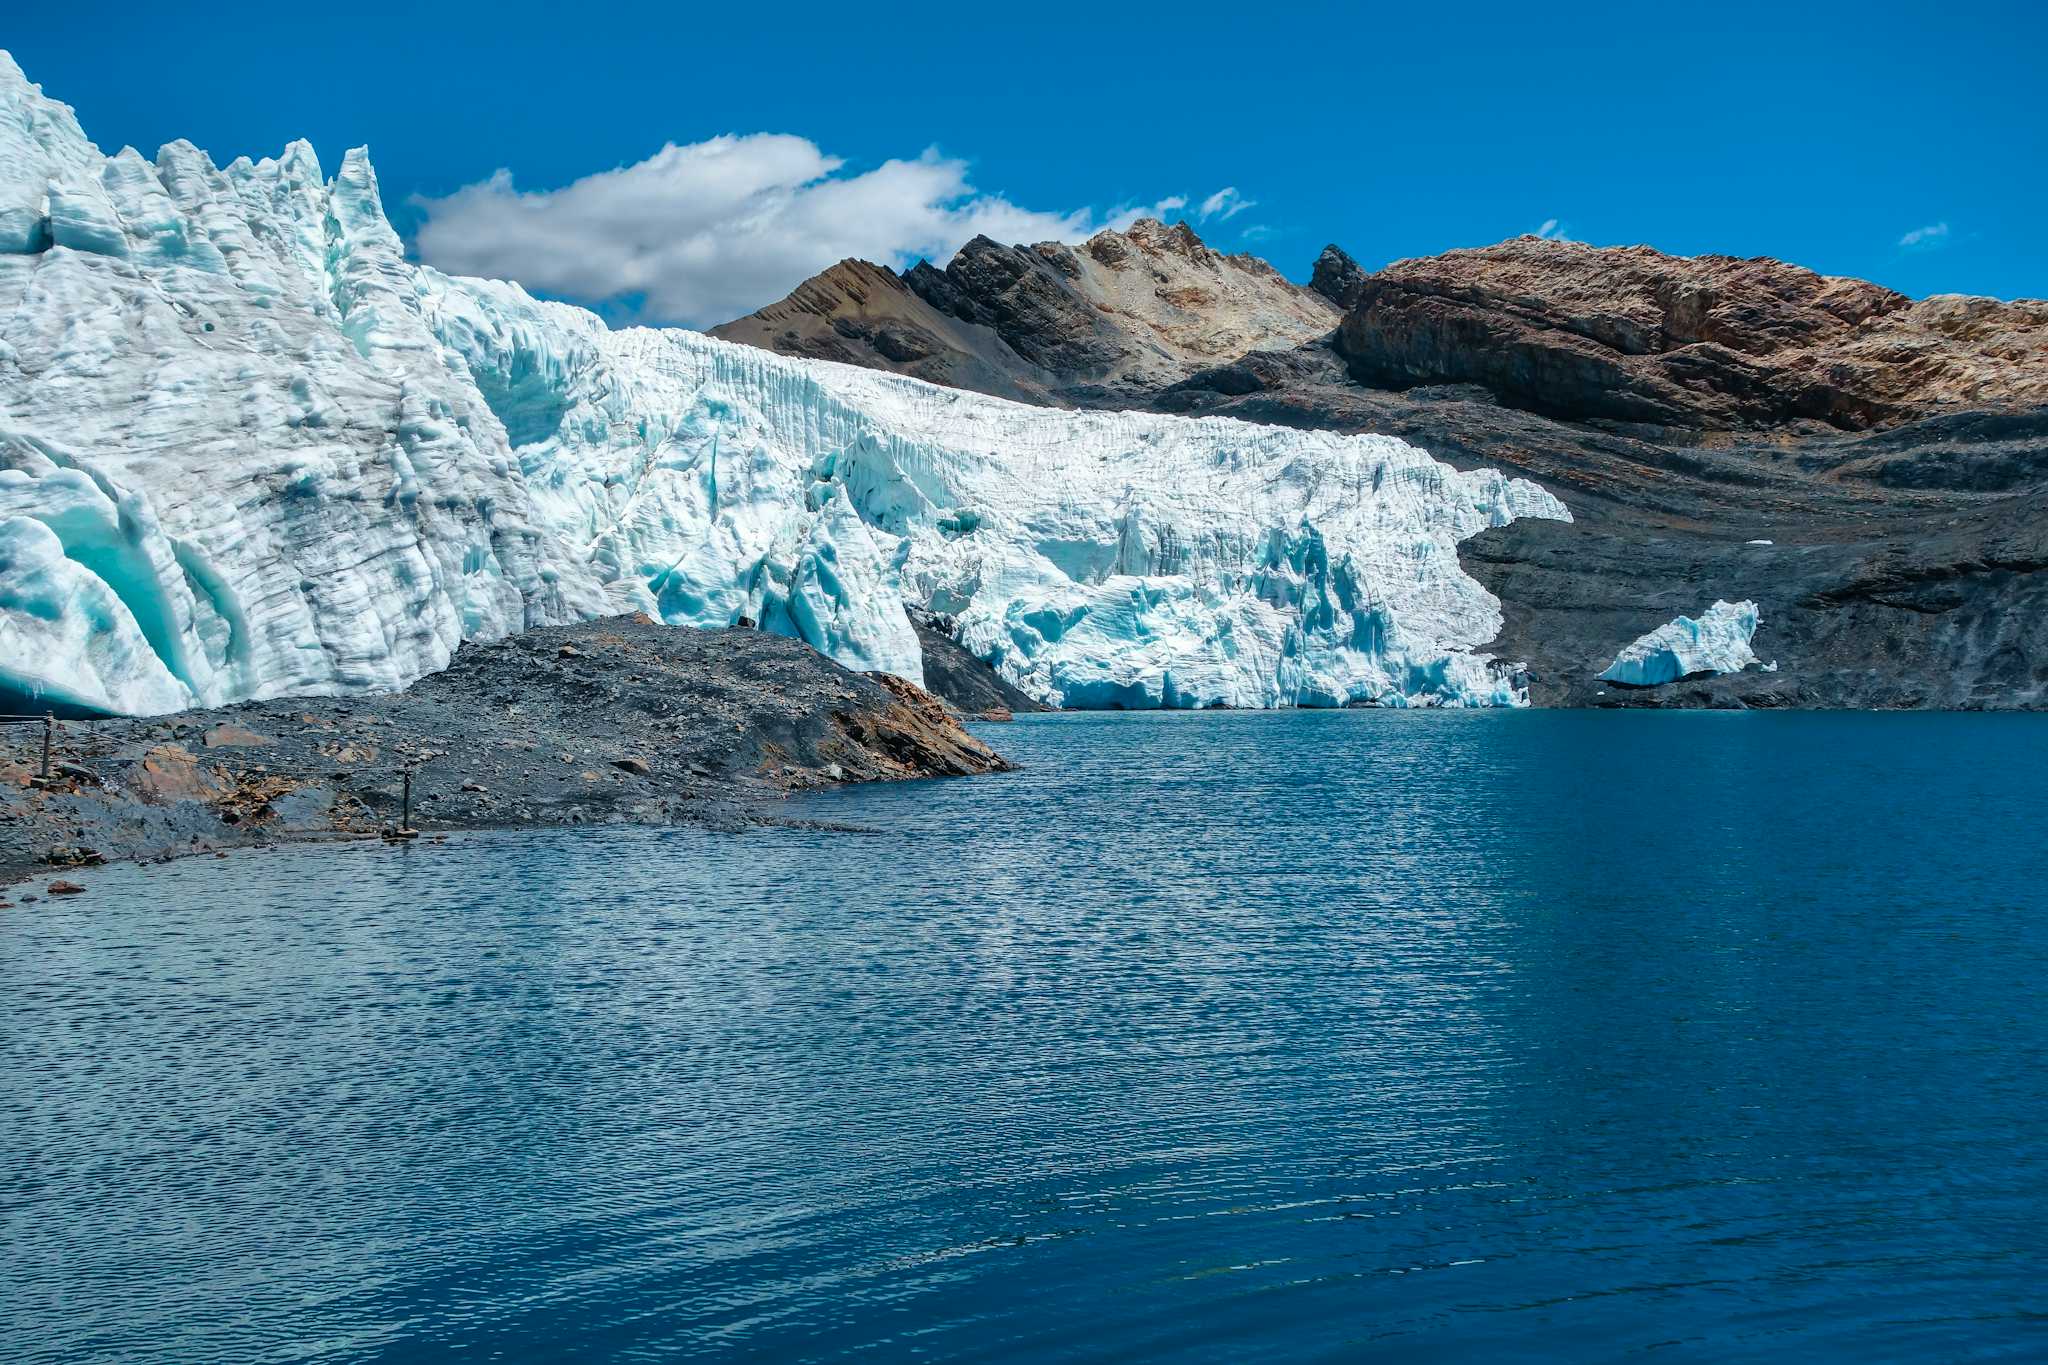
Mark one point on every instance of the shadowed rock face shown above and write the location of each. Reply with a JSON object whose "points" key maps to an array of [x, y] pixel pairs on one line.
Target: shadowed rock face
{"points": [[1892, 452], [858, 313], [1905, 567], [1336, 276], [960, 680]]}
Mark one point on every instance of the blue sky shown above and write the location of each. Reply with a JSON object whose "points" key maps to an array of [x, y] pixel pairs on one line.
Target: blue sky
{"points": [[1904, 144]]}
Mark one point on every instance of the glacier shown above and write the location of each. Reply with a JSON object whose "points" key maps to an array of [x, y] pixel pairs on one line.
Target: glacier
{"points": [[248, 450], [1717, 642]]}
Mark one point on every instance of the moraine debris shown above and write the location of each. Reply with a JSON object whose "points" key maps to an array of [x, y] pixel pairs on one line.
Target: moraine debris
{"points": [[708, 727]]}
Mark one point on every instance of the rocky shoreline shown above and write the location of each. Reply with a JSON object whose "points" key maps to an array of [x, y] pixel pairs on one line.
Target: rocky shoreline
{"points": [[613, 721]]}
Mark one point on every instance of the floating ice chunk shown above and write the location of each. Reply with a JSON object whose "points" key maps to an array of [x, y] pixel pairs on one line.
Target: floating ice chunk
{"points": [[1756, 542], [1718, 642]]}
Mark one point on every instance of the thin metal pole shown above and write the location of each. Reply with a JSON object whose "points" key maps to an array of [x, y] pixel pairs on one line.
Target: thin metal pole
{"points": [[49, 728]]}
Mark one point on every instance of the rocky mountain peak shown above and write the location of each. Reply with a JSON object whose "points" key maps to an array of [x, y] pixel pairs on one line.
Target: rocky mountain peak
{"points": [[1336, 276], [854, 280], [1152, 235], [1124, 314]]}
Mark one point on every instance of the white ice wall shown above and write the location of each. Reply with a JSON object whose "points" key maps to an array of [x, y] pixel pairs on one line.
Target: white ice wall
{"points": [[247, 450]]}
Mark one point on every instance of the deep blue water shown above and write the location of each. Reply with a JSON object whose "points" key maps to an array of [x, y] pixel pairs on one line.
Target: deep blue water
{"points": [[1310, 1036]]}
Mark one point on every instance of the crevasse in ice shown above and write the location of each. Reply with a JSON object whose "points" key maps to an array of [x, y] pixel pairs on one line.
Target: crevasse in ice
{"points": [[247, 450], [1717, 642]]}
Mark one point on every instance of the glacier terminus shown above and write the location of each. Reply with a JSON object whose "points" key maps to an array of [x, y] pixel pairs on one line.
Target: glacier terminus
{"points": [[248, 450]]}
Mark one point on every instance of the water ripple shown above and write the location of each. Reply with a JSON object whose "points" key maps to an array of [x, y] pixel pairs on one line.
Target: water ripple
{"points": [[1202, 1038]]}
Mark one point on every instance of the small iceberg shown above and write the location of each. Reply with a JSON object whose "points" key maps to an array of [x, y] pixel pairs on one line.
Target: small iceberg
{"points": [[1718, 642]]}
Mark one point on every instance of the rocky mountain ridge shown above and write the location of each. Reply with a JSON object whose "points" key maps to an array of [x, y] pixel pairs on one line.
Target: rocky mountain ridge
{"points": [[1709, 342], [1103, 324]]}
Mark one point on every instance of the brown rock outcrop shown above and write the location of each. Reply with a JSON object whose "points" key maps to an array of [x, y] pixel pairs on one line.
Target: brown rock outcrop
{"points": [[1714, 342]]}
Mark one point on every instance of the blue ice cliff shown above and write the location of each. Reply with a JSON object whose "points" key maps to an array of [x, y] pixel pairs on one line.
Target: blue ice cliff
{"points": [[247, 450]]}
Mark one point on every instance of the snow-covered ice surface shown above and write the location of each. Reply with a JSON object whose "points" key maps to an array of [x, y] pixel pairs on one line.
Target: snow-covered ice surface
{"points": [[1718, 642], [247, 449]]}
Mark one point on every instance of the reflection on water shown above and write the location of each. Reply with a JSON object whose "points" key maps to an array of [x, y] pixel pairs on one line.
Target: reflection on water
{"points": [[1221, 1037]]}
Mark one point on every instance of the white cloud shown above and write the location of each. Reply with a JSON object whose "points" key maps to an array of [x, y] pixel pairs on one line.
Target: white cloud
{"points": [[1123, 217], [1925, 238], [707, 232], [1225, 204], [1554, 230]]}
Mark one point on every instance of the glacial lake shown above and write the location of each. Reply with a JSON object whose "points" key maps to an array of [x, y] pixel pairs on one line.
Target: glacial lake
{"points": [[1229, 1037]]}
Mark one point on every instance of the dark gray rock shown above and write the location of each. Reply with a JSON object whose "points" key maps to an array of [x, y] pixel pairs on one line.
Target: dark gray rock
{"points": [[1871, 595], [959, 679], [1337, 277], [617, 720]]}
